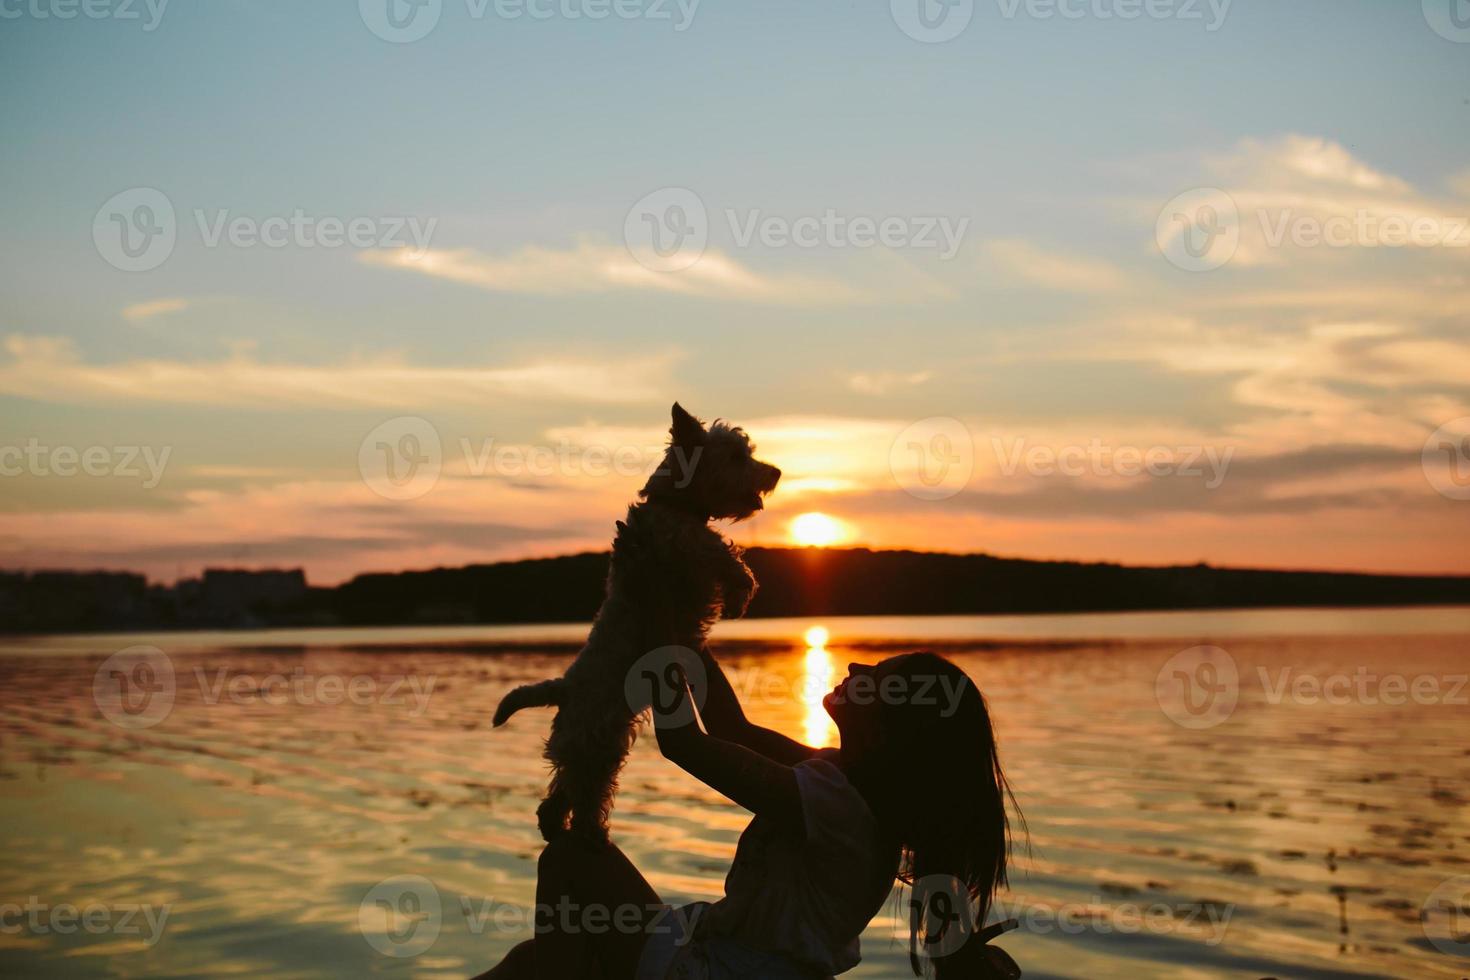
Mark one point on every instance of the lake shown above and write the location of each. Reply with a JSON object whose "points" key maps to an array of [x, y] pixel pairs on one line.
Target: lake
{"points": [[1214, 794]]}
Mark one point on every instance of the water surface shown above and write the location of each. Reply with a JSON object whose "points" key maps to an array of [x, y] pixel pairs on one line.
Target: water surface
{"points": [[1293, 836]]}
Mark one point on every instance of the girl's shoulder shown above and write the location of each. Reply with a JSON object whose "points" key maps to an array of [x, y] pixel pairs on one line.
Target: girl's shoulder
{"points": [[836, 814]]}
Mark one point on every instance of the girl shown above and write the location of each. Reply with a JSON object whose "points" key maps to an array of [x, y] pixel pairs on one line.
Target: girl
{"points": [[915, 792]]}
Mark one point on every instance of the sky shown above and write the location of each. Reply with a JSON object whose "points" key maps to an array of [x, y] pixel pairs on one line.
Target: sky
{"points": [[353, 287]]}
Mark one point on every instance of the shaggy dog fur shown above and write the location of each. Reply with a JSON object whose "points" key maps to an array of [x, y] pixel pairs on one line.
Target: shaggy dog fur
{"points": [[671, 577]]}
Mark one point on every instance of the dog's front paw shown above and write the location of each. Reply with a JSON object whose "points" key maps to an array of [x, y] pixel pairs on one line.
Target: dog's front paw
{"points": [[551, 817], [736, 608], [737, 596]]}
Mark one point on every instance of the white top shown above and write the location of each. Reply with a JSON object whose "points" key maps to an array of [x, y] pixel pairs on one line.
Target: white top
{"points": [[810, 898]]}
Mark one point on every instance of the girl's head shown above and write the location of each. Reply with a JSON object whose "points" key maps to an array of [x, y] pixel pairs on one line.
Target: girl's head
{"points": [[917, 742]]}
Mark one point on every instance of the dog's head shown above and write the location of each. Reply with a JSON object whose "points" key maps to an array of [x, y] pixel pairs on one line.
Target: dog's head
{"points": [[710, 471]]}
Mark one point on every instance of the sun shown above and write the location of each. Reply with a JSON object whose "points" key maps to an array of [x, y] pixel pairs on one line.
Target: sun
{"points": [[817, 530]]}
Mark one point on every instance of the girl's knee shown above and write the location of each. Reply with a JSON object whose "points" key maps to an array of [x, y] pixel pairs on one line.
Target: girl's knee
{"points": [[567, 851]]}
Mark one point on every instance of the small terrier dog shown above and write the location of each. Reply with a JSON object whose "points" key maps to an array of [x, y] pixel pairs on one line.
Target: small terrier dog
{"points": [[670, 578]]}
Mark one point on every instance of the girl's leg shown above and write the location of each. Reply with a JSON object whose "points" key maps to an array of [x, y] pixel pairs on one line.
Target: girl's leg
{"points": [[592, 909]]}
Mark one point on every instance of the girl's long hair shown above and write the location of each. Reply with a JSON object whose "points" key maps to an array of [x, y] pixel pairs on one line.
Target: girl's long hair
{"points": [[944, 798]]}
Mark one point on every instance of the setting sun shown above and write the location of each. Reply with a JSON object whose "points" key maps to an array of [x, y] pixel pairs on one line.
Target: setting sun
{"points": [[817, 530]]}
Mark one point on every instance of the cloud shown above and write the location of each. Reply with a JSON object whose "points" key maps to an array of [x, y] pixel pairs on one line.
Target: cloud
{"points": [[1308, 195], [1384, 355], [297, 548], [50, 369], [1355, 339], [1352, 296], [335, 528], [1316, 479], [1315, 159], [597, 268], [882, 382], [1054, 270], [1379, 382], [816, 453], [235, 472], [1460, 184], [338, 527], [152, 308], [1371, 354]]}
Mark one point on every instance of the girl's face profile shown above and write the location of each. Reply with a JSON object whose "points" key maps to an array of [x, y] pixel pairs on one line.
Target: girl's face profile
{"points": [[855, 702]]}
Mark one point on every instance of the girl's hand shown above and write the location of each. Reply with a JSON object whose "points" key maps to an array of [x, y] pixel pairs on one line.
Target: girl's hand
{"points": [[664, 681]]}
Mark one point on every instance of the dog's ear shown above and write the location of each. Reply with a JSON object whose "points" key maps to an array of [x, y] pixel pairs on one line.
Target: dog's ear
{"points": [[686, 430]]}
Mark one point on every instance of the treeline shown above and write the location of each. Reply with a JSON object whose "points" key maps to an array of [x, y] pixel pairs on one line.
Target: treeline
{"points": [[857, 581], [793, 582]]}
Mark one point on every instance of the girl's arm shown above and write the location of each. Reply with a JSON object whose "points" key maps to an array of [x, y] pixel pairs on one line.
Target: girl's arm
{"points": [[725, 719], [751, 779]]}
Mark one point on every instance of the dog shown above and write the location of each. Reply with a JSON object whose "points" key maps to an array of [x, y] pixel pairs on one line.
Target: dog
{"points": [[670, 578]]}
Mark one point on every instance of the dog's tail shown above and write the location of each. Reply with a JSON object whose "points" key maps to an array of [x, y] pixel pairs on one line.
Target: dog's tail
{"points": [[546, 694]]}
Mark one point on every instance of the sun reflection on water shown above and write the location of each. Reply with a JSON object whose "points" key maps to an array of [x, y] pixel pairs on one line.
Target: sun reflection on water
{"points": [[818, 680]]}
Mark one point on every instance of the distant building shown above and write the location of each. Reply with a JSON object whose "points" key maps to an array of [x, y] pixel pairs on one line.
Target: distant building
{"points": [[11, 586], [72, 600], [239, 596]]}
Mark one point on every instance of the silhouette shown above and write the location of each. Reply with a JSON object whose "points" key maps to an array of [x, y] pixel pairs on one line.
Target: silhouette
{"points": [[671, 577], [915, 793]]}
